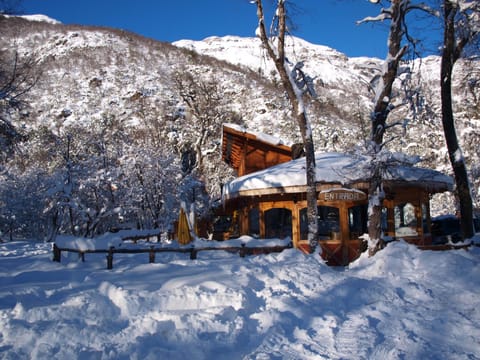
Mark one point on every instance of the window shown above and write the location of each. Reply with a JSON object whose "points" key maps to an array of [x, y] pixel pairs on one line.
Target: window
{"points": [[405, 220], [278, 223], [425, 218], [222, 223], [328, 223]]}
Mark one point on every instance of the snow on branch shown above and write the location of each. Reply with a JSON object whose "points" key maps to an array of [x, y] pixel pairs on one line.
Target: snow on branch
{"points": [[303, 81], [385, 14]]}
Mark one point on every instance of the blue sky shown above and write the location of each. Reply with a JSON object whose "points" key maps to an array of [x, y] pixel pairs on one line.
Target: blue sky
{"points": [[325, 22]]}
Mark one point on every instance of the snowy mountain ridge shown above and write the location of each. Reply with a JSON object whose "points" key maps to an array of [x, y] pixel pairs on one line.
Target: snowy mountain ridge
{"points": [[36, 17], [321, 61]]}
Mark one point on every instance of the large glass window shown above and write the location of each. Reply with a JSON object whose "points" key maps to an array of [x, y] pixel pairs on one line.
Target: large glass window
{"points": [[278, 223], [328, 223], [223, 228], [405, 220], [384, 220], [357, 220]]}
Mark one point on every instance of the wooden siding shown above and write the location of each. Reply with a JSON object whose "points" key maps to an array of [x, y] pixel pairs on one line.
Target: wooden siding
{"points": [[246, 153]]}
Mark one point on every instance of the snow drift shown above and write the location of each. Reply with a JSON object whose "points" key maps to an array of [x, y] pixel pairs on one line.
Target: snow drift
{"points": [[403, 303]]}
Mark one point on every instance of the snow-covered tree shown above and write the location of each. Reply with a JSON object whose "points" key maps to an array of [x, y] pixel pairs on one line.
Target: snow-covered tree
{"points": [[383, 88], [22, 200], [200, 113], [296, 83], [18, 74], [461, 28], [204, 114]]}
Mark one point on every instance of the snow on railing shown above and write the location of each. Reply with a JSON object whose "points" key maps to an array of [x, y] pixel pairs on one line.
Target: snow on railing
{"points": [[242, 250]]}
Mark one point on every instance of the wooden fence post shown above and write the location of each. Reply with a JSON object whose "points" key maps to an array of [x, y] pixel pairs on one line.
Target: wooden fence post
{"points": [[242, 251], [57, 253], [151, 255], [193, 254], [110, 258]]}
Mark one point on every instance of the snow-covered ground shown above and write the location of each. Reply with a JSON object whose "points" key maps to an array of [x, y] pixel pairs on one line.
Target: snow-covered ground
{"points": [[401, 304]]}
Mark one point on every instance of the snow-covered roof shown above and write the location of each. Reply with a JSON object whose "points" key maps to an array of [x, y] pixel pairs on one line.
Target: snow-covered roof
{"points": [[268, 139], [335, 168]]}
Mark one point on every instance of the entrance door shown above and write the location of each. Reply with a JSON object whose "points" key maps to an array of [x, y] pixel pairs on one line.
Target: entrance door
{"points": [[339, 232], [357, 226]]}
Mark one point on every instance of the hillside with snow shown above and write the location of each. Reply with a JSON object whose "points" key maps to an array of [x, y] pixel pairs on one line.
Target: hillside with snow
{"points": [[111, 136]]}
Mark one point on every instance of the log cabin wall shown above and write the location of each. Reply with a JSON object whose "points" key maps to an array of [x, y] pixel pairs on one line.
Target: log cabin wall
{"points": [[247, 153]]}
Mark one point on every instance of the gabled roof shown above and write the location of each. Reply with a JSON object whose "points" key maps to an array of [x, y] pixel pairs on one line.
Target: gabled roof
{"points": [[248, 152]]}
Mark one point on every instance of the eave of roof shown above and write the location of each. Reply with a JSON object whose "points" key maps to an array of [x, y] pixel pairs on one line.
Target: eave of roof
{"points": [[335, 169]]}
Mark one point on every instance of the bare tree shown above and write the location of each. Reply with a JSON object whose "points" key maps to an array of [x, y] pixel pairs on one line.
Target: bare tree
{"points": [[396, 13], [461, 28], [294, 82]]}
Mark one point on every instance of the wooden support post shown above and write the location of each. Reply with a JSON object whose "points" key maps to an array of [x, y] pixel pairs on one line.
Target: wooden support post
{"points": [[57, 253], [242, 251], [110, 258], [193, 254], [81, 255], [151, 255]]}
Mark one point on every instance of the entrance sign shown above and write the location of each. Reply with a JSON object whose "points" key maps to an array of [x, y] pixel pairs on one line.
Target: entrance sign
{"points": [[341, 194]]}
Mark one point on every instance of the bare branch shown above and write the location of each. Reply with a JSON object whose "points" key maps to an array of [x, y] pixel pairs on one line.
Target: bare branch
{"points": [[384, 15]]}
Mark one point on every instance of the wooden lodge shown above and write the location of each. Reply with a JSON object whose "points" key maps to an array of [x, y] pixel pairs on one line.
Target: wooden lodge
{"points": [[247, 152], [268, 199]]}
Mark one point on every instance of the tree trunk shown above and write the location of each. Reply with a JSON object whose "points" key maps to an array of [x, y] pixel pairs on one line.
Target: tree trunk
{"points": [[306, 133], [384, 92], [295, 96], [311, 181], [450, 54], [382, 108], [376, 197]]}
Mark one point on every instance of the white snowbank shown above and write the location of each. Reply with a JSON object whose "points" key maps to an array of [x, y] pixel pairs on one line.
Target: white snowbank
{"points": [[401, 304], [103, 242]]}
